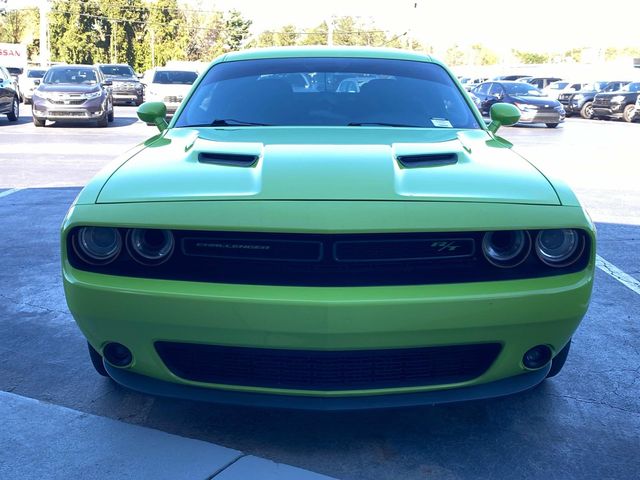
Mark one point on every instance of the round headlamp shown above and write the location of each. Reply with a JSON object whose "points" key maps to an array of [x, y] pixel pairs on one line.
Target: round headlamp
{"points": [[150, 246], [98, 245], [559, 248], [507, 248]]}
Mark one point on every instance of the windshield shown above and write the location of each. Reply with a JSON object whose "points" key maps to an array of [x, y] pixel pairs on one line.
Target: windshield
{"points": [[117, 70], [176, 77], [558, 85], [522, 90], [36, 73], [614, 86], [76, 76], [340, 92]]}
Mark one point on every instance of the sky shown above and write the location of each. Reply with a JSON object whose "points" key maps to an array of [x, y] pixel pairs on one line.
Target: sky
{"points": [[540, 25]]}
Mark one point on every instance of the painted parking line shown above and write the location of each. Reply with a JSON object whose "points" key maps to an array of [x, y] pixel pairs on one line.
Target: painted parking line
{"points": [[6, 193], [624, 278]]}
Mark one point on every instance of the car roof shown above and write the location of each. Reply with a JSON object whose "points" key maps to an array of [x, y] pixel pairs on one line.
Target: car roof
{"points": [[58, 67], [326, 52]]}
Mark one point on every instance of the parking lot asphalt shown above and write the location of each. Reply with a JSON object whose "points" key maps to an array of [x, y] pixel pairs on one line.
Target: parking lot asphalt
{"points": [[585, 423]]}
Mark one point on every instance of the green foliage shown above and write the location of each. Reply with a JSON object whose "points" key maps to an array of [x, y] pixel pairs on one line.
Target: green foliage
{"points": [[531, 57], [316, 35], [575, 55], [75, 31], [236, 31], [455, 56], [12, 26], [483, 56]]}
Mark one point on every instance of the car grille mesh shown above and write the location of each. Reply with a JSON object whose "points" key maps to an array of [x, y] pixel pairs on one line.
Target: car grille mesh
{"points": [[327, 370]]}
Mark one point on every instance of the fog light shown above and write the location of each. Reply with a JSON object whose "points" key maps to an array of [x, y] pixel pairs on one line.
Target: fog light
{"points": [[537, 357], [117, 355]]}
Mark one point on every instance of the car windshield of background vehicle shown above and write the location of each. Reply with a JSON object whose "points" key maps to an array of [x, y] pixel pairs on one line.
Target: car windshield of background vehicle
{"points": [[74, 76], [328, 92], [522, 90], [117, 70], [36, 73], [168, 77]]}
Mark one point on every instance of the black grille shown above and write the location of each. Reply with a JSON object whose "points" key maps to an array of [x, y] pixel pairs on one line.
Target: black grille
{"points": [[326, 260], [327, 370]]}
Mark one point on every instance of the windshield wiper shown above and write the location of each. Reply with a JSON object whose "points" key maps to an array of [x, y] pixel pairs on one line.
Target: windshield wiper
{"points": [[231, 122], [381, 124]]}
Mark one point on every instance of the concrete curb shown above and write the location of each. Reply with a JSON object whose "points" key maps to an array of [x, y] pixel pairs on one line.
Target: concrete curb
{"points": [[40, 440]]}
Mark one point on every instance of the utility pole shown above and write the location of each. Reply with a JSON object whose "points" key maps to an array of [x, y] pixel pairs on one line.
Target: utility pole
{"points": [[45, 56], [330, 31]]}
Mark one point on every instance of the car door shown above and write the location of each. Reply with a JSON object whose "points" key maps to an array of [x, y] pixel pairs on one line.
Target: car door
{"points": [[6, 90]]}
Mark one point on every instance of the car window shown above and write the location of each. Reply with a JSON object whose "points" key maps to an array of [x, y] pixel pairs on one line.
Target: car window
{"points": [[391, 93], [35, 73], [483, 89], [522, 89], [174, 77], [631, 87], [496, 89], [117, 70], [3, 75], [71, 76]]}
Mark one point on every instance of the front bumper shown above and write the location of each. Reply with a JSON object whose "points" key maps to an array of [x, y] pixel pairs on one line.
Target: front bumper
{"points": [[89, 110], [534, 116], [138, 312], [610, 110]]}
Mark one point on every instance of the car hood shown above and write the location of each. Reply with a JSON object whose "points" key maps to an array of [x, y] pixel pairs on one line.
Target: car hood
{"points": [[68, 88], [344, 163]]}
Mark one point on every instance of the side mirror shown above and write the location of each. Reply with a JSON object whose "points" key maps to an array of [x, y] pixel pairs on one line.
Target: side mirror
{"points": [[154, 113], [36, 82], [107, 83], [503, 114]]}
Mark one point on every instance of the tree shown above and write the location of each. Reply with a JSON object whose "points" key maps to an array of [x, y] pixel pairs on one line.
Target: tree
{"points": [[483, 56], [455, 56], [12, 26], [287, 36], [125, 28], [236, 30], [75, 29], [531, 57], [317, 35], [167, 32]]}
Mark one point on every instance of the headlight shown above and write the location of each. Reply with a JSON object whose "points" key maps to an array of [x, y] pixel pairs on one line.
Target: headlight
{"points": [[578, 96], [507, 248], [617, 99], [45, 95], [150, 246], [91, 95], [98, 245], [559, 248]]}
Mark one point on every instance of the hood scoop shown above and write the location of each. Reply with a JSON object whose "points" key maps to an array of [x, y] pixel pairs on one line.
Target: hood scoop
{"points": [[427, 160], [228, 159]]}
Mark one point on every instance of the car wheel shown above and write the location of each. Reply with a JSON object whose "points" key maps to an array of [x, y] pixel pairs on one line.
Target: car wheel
{"points": [[39, 123], [552, 125], [587, 110], [139, 101], [15, 110], [96, 360], [558, 361], [110, 116], [629, 113], [103, 121]]}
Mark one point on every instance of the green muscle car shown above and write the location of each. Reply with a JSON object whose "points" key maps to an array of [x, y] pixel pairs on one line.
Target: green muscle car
{"points": [[288, 242]]}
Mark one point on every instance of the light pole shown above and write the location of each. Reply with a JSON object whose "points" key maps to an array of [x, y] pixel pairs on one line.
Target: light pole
{"points": [[45, 56]]}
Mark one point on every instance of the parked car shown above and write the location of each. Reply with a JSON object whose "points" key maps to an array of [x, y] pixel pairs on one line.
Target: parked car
{"points": [[555, 89], [78, 93], [327, 249], [637, 111], [581, 102], [168, 85], [617, 104], [27, 82], [126, 86], [511, 78], [469, 83], [533, 105], [542, 82], [15, 73], [9, 99]]}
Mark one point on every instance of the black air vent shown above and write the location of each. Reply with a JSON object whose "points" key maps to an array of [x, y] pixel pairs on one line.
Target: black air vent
{"points": [[228, 159], [428, 160]]}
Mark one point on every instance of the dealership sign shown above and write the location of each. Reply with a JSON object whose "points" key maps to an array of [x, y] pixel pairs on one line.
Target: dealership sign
{"points": [[13, 55]]}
